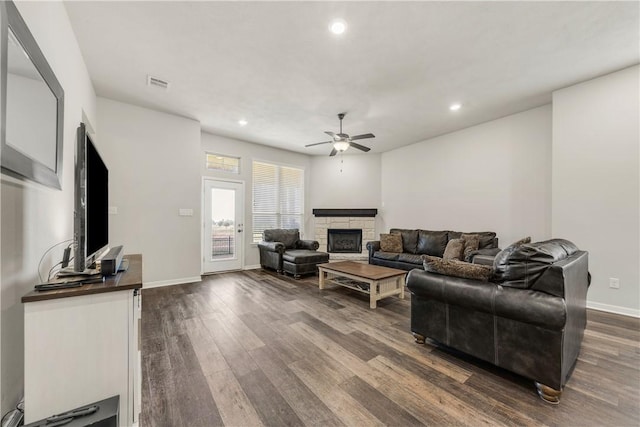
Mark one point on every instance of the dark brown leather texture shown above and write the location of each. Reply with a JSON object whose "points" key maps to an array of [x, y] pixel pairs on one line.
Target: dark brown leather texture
{"points": [[409, 239], [423, 242], [519, 266], [283, 251], [535, 332], [432, 242]]}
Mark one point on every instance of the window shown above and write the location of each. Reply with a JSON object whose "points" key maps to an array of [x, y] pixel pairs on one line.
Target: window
{"points": [[223, 163], [278, 198]]}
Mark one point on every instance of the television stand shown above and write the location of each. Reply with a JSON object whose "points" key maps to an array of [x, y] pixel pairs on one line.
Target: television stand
{"points": [[82, 344]]}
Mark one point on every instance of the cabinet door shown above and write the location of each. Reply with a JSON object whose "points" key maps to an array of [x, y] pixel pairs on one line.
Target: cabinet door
{"points": [[135, 355], [77, 351]]}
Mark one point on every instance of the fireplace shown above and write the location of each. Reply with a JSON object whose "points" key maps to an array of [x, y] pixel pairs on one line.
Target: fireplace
{"points": [[344, 240]]}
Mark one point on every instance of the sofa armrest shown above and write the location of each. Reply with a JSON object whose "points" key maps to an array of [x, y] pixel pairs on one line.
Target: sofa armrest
{"points": [[272, 246], [312, 245], [372, 247], [486, 251]]}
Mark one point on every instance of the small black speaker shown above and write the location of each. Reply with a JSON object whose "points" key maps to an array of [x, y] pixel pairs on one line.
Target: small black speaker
{"points": [[110, 263]]}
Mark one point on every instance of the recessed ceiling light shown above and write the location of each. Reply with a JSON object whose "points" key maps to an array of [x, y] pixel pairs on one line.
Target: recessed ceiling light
{"points": [[455, 107], [338, 26], [242, 122]]}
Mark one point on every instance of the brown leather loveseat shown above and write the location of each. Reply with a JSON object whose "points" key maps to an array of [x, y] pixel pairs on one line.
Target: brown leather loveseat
{"points": [[529, 319]]}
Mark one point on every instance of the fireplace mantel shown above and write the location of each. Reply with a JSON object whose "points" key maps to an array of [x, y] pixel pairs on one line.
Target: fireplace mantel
{"points": [[370, 213]]}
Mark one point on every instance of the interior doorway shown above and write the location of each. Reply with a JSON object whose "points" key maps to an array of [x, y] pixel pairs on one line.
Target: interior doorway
{"points": [[223, 242]]}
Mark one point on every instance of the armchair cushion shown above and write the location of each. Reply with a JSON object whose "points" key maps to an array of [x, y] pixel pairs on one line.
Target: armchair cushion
{"points": [[288, 237]]}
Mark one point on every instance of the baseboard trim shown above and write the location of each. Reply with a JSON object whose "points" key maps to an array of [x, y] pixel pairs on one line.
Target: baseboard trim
{"points": [[613, 309], [161, 283], [251, 267]]}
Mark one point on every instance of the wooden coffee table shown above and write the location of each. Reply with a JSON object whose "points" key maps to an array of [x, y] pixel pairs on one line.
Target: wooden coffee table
{"points": [[376, 281]]}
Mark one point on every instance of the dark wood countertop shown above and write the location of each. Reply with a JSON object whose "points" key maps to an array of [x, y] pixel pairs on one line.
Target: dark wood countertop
{"points": [[130, 279]]}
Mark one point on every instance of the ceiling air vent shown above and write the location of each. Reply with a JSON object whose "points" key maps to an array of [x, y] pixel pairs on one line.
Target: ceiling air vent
{"points": [[154, 81]]}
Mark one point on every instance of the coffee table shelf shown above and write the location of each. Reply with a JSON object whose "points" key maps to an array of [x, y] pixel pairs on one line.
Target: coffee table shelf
{"points": [[381, 282]]}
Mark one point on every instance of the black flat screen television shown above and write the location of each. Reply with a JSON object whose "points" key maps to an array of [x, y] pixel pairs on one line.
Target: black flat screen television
{"points": [[91, 214]]}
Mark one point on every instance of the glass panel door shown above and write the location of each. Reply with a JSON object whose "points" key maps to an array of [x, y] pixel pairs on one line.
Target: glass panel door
{"points": [[223, 228]]}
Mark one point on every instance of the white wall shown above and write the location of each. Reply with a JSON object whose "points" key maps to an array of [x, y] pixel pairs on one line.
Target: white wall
{"points": [[248, 152], [494, 176], [154, 171], [35, 217], [348, 181], [596, 182]]}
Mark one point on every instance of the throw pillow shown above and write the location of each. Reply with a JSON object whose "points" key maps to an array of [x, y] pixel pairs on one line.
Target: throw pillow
{"points": [[391, 243], [457, 268], [454, 249], [471, 244]]}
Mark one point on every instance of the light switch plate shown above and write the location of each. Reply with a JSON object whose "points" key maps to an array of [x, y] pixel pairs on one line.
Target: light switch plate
{"points": [[185, 212], [113, 210]]}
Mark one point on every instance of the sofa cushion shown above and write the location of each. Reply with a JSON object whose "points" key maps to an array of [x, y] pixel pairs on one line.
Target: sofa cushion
{"points": [[289, 237], [431, 242], [457, 268], [409, 239], [391, 243], [454, 250], [305, 256], [521, 264], [389, 256], [411, 258], [471, 245], [486, 238]]}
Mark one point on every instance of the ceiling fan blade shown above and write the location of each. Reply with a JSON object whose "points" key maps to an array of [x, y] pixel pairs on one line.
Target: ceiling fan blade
{"points": [[363, 136], [333, 152], [359, 147], [331, 134], [318, 143]]}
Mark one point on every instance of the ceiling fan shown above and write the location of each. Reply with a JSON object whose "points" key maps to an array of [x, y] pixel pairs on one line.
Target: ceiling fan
{"points": [[341, 141]]}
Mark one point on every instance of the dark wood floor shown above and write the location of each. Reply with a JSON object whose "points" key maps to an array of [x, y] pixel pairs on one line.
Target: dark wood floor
{"points": [[253, 348]]}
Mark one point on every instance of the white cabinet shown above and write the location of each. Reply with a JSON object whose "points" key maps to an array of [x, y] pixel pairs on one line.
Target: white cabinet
{"points": [[83, 348]]}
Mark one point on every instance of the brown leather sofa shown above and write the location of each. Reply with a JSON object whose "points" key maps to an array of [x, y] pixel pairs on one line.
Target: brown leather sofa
{"points": [[416, 243], [283, 250], [529, 319]]}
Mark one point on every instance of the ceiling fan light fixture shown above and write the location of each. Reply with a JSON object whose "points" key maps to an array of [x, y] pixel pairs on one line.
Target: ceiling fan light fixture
{"points": [[338, 26], [341, 146]]}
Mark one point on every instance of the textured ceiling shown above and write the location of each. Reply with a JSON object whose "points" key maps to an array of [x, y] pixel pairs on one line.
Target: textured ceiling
{"points": [[395, 71]]}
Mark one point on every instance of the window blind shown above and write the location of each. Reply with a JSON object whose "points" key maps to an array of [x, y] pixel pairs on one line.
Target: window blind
{"points": [[278, 198]]}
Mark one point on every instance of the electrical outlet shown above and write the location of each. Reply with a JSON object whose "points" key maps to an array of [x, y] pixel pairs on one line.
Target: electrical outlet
{"points": [[614, 283]]}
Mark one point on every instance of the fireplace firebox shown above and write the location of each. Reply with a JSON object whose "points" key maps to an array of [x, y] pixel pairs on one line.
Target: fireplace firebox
{"points": [[342, 240]]}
